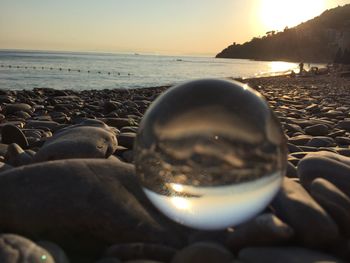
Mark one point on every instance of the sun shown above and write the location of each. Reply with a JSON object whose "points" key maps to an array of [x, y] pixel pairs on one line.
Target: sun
{"points": [[278, 14]]}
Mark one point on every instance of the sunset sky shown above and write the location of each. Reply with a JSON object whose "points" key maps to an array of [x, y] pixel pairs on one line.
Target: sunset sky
{"points": [[189, 27]]}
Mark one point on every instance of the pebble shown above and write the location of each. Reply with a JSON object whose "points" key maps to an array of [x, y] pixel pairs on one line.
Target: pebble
{"points": [[264, 230], [78, 141], [317, 130], [333, 167], [12, 134], [18, 249], [334, 201]]}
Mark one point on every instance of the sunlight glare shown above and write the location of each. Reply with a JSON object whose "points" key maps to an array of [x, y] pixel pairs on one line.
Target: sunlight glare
{"points": [[180, 203], [277, 14]]}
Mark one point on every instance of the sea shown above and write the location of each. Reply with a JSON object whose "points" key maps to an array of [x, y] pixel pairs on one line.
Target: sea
{"points": [[89, 70]]}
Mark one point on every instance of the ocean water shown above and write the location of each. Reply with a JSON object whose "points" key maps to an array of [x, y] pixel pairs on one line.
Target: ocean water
{"points": [[72, 70]]}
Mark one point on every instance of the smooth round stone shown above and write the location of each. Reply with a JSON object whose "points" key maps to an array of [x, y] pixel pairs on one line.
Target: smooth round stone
{"points": [[210, 153], [88, 140], [285, 255], [18, 249], [12, 134], [334, 201], [311, 224], [204, 252], [333, 167]]}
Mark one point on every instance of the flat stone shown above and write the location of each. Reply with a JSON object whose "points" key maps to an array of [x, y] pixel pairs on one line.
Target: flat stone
{"points": [[81, 204], [204, 252], [334, 201], [312, 225], [264, 230], [285, 255], [18, 249], [12, 134]]}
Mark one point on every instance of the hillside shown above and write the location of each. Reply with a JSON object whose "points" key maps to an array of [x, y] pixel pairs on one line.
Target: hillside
{"points": [[317, 40]]}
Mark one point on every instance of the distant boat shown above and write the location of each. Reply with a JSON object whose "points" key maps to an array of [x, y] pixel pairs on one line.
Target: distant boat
{"points": [[179, 59], [136, 54]]}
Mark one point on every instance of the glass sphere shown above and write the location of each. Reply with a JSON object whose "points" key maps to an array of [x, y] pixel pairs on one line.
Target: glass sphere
{"points": [[210, 153]]}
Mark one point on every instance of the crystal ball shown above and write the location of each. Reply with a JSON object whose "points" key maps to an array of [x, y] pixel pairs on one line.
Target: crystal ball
{"points": [[210, 154]]}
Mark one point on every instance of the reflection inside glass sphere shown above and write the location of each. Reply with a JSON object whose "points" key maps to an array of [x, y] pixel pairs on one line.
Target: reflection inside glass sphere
{"points": [[210, 153]]}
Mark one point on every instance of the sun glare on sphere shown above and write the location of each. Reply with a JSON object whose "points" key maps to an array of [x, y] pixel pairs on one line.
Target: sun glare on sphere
{"points": [[278, 14]]}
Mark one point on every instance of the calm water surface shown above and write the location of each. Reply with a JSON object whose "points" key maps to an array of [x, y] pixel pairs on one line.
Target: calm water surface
{"points": [[69, 70]]}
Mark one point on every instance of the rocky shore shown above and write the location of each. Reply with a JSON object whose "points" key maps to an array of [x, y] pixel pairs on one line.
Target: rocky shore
{"points": [[69, 193]]}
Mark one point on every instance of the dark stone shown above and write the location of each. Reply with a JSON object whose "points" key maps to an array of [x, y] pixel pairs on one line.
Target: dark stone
{"points": [[119, 122], [345, 125], [16, 156], [317, 130], [81, 204], [13, 108], [17, 249], [264, 230], [141, 251], [203, 252], [334, 201], [86, 140], [321, 141], [312, 225], [285, 255], [333, 167], [35, 124], [300, 140], [12, 134], [127, 139]]}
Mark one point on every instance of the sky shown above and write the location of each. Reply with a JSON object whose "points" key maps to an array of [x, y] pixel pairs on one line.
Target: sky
{"points": [[186, 27]]}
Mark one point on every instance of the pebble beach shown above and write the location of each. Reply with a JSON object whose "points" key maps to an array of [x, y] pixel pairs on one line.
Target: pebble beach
{"points": [[69, 192]]}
